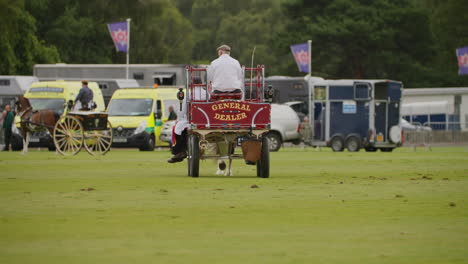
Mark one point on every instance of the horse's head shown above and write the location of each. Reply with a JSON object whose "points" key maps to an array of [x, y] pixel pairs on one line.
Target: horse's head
{"points": [[22, 104]]}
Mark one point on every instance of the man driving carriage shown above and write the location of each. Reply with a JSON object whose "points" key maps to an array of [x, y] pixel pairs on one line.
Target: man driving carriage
{"points": [[85, 96], [225, 76], [225, 73]]}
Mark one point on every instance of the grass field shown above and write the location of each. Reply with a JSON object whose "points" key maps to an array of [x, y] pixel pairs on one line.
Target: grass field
{"points": [[317, 207]]}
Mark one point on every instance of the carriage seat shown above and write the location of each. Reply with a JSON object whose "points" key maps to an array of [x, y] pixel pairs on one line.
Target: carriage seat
{"points": [[217, 95]]}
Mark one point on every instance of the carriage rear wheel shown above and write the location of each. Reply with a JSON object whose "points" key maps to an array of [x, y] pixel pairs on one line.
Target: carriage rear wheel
{"points": [[263, 165], [193, 156], [98, 142], [68, 136]]}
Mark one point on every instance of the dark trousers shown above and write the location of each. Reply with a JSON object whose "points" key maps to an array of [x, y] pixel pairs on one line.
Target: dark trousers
{"points": [[220, 92], [7, 136], [181, 143]]}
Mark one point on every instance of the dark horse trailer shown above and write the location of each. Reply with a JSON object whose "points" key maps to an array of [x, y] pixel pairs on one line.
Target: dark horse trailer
{"points": [[356, 114]]}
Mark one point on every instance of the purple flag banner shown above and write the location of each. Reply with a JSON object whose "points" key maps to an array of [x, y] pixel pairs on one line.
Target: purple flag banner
{"points": [[301, 54], [119, 34], [462, 55]]}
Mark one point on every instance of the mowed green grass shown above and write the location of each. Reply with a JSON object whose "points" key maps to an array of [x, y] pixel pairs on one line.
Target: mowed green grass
{"points": [[317, 207]]}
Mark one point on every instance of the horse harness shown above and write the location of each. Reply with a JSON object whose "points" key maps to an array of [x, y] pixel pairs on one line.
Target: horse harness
{"points": [[26, 116]]}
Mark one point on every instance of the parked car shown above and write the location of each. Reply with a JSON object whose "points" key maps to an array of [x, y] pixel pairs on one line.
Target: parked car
{"points": [[300, 107], [166, 132], [285, 125]]}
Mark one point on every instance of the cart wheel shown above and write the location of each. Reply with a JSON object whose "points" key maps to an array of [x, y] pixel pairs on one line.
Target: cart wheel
{"points": [[98, 142], [263, 165], [68, 136], [193, 159]]}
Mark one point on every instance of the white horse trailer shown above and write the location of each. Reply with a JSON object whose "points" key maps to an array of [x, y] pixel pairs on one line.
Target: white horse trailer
{"points": [[12, 86], [144, 74]]}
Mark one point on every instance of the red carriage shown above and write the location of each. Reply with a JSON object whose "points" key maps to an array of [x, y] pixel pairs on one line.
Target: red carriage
{"points": [[228, 118]]}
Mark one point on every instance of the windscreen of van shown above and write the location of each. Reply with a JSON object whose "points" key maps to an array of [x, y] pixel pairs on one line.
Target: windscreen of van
{"points": [[130, 107], [56, 105]]}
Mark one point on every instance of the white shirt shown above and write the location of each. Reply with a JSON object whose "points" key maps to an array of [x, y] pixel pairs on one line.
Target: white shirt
{"points": [[182, 122], [225, 74]]}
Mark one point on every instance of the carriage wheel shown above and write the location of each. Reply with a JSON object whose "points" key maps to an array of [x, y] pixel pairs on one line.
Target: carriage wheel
{"points": [[193, 159], [68, 136], [263, 165], [98, 142]]}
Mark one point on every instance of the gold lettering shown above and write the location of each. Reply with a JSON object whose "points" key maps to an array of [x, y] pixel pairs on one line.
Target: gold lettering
{"points": [[237, 106], [228, 117], [214, 107], [225, 105], [217, 116]]}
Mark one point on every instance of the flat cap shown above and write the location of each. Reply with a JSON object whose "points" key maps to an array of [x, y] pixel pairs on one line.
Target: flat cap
{"points": [[224, 48]]}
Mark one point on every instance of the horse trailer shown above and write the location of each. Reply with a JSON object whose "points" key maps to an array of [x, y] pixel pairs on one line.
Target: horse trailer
{"points": [[12, 86], [144, 74], [356, 114], [353, 114]]}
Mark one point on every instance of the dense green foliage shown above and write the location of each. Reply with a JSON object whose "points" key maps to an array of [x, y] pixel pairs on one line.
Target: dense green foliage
{"points": [[318, 207], [409, 40]]}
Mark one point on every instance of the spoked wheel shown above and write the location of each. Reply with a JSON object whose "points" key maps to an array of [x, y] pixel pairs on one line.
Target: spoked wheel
{"points": [[263, 165], [98, 142], [68, 136], [193, 159]]}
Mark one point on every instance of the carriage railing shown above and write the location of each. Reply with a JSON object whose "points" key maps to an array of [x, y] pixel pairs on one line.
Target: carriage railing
{"points": [[254, 83]]}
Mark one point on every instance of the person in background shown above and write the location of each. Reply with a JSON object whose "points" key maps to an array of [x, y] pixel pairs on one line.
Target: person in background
{"points": [[85, 96], [306, 131], [172, 113], [8, 118]]}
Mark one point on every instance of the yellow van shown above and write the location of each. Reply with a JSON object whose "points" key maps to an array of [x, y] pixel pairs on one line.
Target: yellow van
{"points": [[137, 116], [52, 95]]}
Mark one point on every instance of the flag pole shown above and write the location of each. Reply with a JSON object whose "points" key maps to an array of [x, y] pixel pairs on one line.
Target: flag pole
{"points": [[309, 100], [128, 44]]}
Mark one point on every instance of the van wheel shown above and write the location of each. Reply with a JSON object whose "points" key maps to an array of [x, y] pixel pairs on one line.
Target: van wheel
{"points": [[353, 144], [274, 141], [337, 144], [370, 149], [149, 144], [386, 149]]}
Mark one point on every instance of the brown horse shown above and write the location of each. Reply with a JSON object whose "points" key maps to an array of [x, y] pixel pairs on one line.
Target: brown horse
{"points": [[34, 120]]}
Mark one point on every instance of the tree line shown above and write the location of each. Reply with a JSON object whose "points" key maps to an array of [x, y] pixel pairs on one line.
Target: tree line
{"points": [[409, 40]]}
